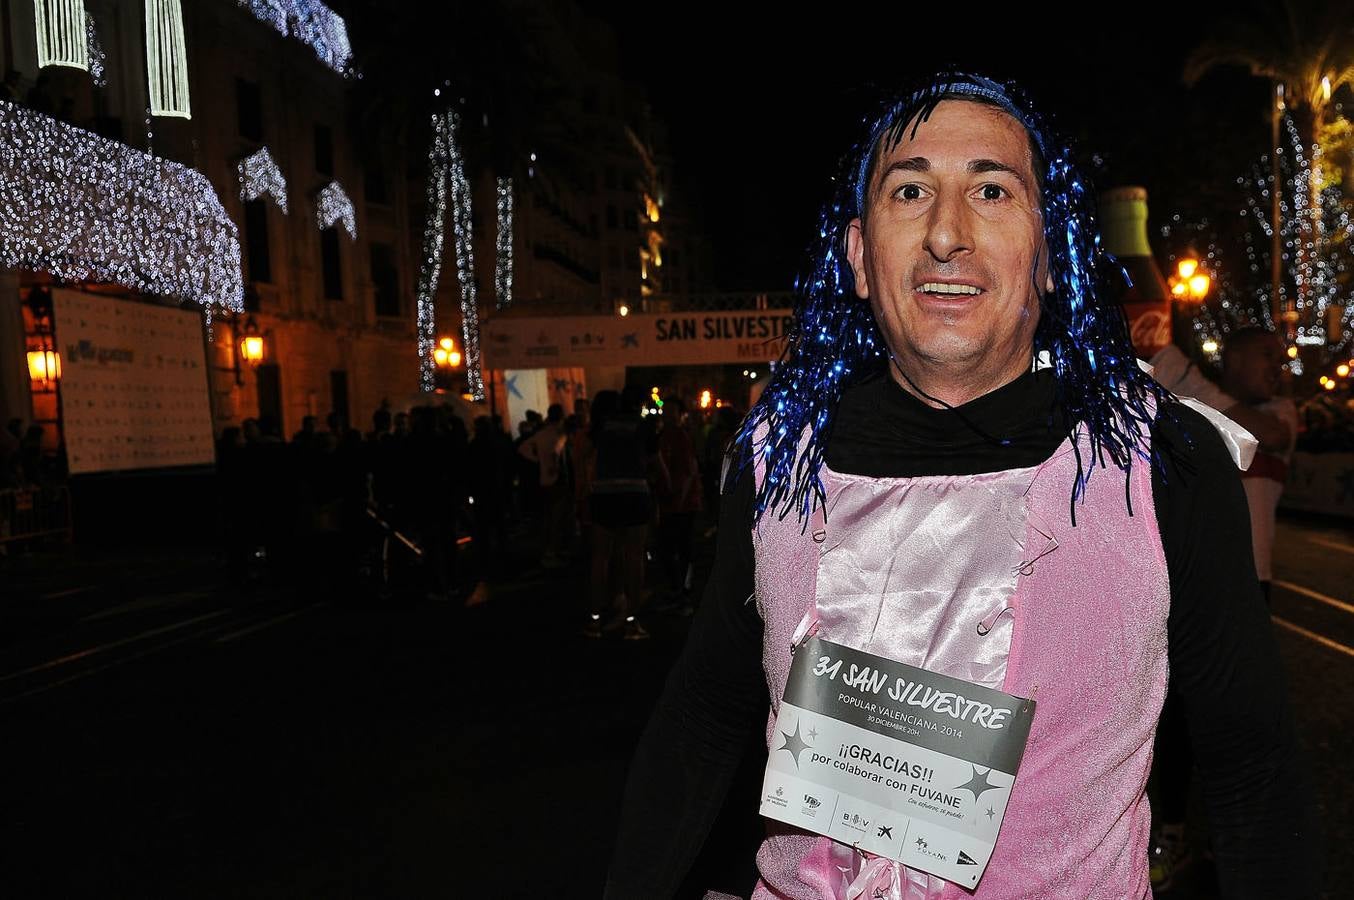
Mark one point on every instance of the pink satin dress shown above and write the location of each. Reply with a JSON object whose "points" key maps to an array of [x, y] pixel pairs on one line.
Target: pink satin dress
{"points": [[984, 578]]}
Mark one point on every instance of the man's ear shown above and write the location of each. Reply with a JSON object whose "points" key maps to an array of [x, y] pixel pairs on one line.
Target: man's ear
{"points": [[1044, 263], [855, 254]]}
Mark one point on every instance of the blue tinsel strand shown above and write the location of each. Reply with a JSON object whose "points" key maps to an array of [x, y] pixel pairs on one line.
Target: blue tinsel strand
{"points": [[835, 341]]}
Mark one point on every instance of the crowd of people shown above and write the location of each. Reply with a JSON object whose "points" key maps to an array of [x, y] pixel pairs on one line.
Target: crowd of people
{"points": [[616, 486], [22, 462]]}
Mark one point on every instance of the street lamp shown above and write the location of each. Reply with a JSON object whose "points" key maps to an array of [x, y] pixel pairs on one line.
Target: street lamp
{"points": [[251, 343], [446, 355], [44, 362], [250, 348], [1190, 283], [44, 366]]}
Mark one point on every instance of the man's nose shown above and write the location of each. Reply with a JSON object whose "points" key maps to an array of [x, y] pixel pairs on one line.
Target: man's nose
{"points": [[949, 230]]}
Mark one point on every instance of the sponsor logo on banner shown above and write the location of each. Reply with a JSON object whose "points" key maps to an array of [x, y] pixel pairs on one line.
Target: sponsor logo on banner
{"points": [[924, 848], [855, 822]]}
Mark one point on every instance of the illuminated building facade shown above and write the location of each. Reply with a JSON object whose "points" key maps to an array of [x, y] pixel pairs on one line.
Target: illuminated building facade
{"points": [[277, 184]]}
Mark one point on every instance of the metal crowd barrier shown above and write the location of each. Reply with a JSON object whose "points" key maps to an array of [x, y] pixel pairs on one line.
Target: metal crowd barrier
{"points": [[35, 512]]}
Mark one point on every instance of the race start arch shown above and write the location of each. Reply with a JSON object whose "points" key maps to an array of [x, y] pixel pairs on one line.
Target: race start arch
{"points": [[639, 339], [533, 362]]}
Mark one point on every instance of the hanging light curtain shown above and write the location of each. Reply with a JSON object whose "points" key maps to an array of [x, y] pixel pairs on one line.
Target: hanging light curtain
{"points": [[61, 33], [166, 62]]}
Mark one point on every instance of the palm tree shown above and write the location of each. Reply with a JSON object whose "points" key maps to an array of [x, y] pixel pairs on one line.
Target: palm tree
{"points": [[1306, 48]]}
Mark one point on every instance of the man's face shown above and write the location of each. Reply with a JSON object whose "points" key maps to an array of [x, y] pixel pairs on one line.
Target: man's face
{"points": [[946, 254], [1252, 370]]}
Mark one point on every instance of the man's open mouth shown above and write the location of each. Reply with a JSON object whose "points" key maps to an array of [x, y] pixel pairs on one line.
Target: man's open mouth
{"points": [[948, 289]]}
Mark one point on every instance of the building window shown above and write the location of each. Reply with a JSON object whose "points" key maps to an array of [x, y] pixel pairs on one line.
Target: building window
{"points": [[612, 221], [338, 395], [614, 256], [611, 178], [376, 187], [631, 222], [324, 150], [330, 264], [256, 240], [269, 381], [386, 277], [249, 109]]}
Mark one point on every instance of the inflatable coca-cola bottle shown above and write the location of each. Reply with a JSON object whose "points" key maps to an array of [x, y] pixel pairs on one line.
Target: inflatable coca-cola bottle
{"points": [[1147, 303]]}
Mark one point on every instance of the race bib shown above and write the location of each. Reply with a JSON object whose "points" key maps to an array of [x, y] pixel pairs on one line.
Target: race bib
{"points": [[895, 760]]}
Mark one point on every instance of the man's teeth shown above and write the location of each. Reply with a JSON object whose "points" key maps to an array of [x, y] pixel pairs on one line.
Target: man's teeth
{"points": [[940, 287]]}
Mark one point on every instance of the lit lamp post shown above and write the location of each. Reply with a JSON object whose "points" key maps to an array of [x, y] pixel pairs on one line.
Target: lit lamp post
{"points": [[446, 355], [250, 348], [448, 360], [1189, 288], [1190, 284], [44, 366], [44, 362]]}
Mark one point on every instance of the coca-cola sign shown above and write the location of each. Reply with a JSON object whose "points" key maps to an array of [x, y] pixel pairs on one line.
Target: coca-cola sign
{"points": [[1149, 326]]}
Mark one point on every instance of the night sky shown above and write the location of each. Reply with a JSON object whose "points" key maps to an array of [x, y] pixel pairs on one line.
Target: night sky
{"points": [[760, 110]]}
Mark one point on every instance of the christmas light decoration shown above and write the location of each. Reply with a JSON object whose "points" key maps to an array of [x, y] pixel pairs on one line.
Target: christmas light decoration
{"points": [[311, 23], [166, 61], [62, 40], [465, 259], [260, 175], [96, 54], [332, 205], [446, 172], [503, 270], [430, 269], [1314, 245], [1315, 261], [85, 208]]}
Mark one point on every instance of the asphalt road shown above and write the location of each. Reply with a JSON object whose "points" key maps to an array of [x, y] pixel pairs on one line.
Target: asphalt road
{"points": [[168, 736]]}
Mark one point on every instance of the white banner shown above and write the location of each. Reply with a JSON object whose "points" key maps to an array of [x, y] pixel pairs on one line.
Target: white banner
{"points": [[1320, 482], [895, 760], [698, 338], [525, 389], [133, 384]]}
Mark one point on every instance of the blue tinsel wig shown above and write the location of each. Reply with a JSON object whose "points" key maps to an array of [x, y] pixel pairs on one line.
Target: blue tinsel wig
{"points": [[835, 341]]}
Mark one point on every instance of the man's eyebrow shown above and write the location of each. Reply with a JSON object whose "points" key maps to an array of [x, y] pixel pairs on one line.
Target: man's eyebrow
{"points": [[981, 166], [911, 164]]}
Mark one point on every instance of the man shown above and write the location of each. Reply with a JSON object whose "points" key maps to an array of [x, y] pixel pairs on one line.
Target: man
{"points": [[545, 448], [680, 498], [950, 471], [1251, 361], [1178, 374]]}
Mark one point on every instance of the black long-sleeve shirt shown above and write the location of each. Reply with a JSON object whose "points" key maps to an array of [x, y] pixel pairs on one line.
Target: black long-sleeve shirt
{"points": [[1223, 660]]}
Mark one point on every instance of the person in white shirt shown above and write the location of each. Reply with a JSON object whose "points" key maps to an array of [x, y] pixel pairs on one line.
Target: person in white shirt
{"points": [[546, 449], [1251, 361]]}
